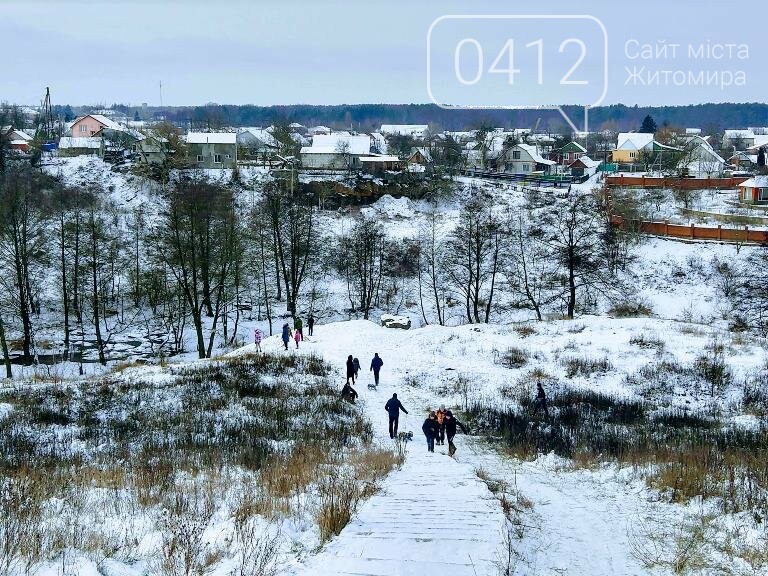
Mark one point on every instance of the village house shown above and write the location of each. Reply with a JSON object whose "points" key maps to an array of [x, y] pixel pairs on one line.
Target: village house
{"points": [[754, 190], [416, 131], [212, 149], [337, 151], [526, 159], [90, 124], [700, 160], [583, 166], [744, 161], [739, 139], [420, 156], [80, 146], [17, 139], [380, 163], [630, 146], [566, 155], [151, 149]]}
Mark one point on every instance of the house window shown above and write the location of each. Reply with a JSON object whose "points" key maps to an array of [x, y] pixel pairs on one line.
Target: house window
{"points": [[83, 128], [631, 154], [217, 158], [526, 167], [199, 158], [763, 194], [515, 154]]}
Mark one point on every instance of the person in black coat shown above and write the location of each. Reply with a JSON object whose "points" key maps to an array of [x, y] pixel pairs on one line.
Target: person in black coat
{"points": [[451, 423], [430, 429], [376, 364], [311, 324], [541, 400], [356, 364], [348, 393], [393, 407], [350, 369]]}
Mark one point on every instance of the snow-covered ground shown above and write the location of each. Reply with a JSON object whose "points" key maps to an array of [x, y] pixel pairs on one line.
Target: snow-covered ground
{"points": [[433, 512]]}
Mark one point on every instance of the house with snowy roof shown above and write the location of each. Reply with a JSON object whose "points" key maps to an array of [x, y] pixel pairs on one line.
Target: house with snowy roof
{"points": [[754, 190], [583, 166], [337, 151], [738, 139], [566, 155], [212, 149], [17, 139], [88, 125], [417, 131], [526, 159], [630, 146], [80, 146]]}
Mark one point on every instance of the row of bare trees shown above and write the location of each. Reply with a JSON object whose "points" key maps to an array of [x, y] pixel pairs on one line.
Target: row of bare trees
{"points": [[197, 256], [553, 255], [74, 262]]}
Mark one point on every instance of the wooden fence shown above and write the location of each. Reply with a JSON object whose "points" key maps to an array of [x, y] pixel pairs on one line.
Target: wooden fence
{"points": [[680, 183], [693, 232]]}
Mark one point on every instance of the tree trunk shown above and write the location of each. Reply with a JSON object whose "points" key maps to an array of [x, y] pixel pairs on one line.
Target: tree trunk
{"points": [[4, 345], [95, 291]]}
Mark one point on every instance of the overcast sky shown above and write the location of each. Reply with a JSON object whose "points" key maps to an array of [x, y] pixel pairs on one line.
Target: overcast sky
{"points": [[334, 52]]}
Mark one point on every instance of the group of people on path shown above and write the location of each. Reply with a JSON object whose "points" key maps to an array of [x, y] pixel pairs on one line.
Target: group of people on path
{"points": [[440, 425], [297, 333], [298, 330]]}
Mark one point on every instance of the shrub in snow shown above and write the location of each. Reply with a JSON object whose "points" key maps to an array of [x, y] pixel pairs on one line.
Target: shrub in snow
{"points": [[586, 366]]}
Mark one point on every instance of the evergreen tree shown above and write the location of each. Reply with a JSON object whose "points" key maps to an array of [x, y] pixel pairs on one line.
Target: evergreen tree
{"points": [[649, 125]]}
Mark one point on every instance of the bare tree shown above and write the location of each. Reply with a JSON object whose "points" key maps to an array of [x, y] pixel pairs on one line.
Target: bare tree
{"points": [[472, 258], [362, 252]]}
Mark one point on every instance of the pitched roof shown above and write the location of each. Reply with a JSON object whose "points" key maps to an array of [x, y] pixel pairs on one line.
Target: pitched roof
{"points": [[634, 140], [573, 145], [755, 182], [211, 138], [533, 152], [102, 119], [585, 161]]}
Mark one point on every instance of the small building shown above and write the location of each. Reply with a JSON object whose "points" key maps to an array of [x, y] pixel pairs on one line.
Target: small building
{"points": [[327, 158], [338, 151], [316, 130], [583, 166], [152, 149], [738, 139], [566, 155], [90, 124], [743, 161], [378, 164], [217, 150], [417, 131], [420, 156], [754, 190], [630, 146], [17, 139], [526, 159], [85, 146], [701, 159]]}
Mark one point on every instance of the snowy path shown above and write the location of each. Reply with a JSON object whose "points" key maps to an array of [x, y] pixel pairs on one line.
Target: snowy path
{"points": [[581, 521], [434, 513]]}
